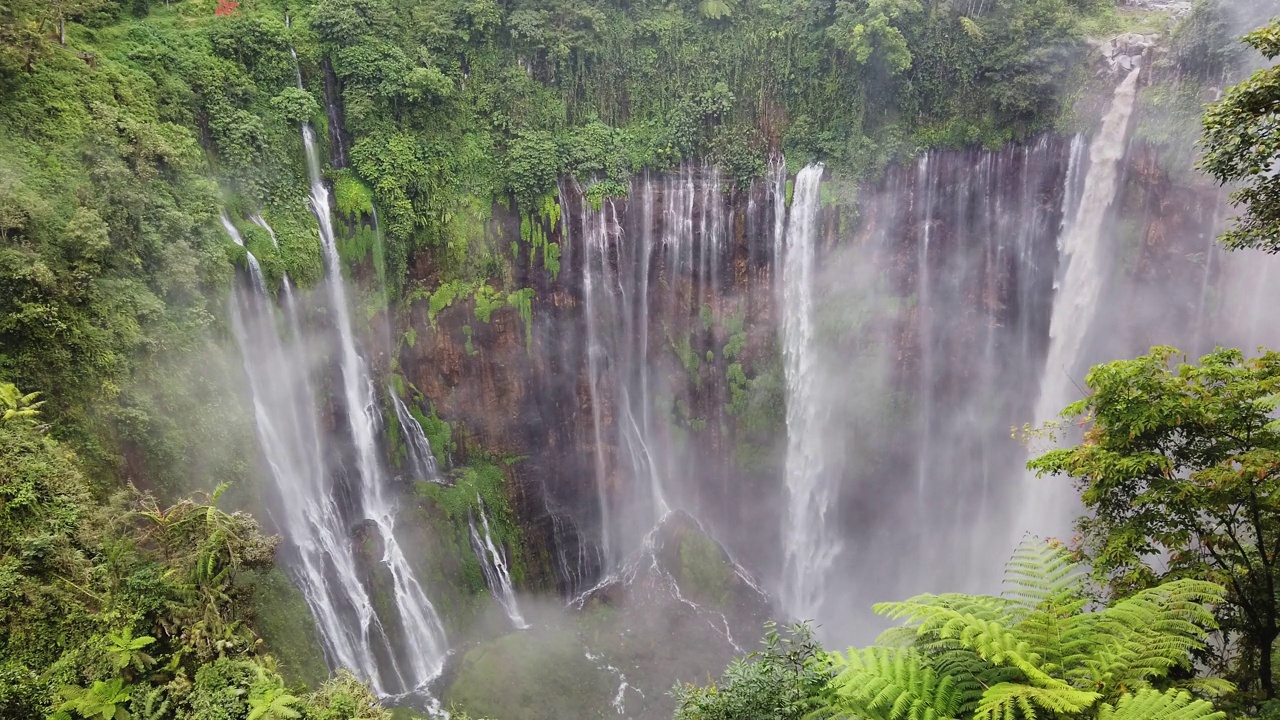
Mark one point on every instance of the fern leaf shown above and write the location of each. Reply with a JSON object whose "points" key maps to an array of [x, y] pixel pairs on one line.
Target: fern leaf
{"points": [[1042, 573], [898, 684], [1011, 700], [1153, 705]]}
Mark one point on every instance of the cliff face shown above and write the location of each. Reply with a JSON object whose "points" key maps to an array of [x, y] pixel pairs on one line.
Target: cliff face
{"points": [[649, 377], [612, 403]]}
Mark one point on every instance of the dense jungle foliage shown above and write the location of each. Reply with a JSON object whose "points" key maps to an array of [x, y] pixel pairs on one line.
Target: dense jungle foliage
{"points": [[127, 126]]}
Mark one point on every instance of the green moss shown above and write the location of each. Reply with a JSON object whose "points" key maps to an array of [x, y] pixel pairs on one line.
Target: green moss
{"points": [[353, 249], [597, 192], [704, 573], [467, 335], [410, 337], [522, 301], [487, 300], [283, 620], [689, 358], [444, 296], [351, 197], [439, 433], [482, 479]]}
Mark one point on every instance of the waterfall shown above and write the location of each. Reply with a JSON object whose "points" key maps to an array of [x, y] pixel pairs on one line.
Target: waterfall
{"points": [[1049, 507], [255, 270], [422, 462], [649, 266], [423, 644], [810, 543], [286, 288], [493, 564], [318, 553]]}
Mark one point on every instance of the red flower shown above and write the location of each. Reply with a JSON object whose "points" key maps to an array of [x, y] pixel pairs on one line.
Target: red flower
{"points": [[226, 8]]}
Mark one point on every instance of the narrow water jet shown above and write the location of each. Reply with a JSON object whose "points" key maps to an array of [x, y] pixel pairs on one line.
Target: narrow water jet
{"points": [[494, 567]]}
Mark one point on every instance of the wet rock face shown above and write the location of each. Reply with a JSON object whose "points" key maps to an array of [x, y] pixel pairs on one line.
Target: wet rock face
{"points": [[677, 607], [1125, 52], [666, 366]]}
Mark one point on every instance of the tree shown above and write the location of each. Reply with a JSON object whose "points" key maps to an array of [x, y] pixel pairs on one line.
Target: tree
{"points": [[1241, 146], [1033, 652], [1179, 469]]}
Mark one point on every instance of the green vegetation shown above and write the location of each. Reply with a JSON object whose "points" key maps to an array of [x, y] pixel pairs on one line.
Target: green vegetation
{"points": [[1033, 652], [449, 510], [703, 570], [114, 606], [1241, 147]]}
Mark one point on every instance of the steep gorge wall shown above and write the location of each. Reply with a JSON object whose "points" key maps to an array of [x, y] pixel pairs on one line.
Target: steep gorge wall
{"points": [[934, 289]]}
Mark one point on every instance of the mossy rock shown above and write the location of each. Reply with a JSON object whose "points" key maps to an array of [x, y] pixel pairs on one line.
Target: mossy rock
{"points": [[530, 675], [283, 620]]}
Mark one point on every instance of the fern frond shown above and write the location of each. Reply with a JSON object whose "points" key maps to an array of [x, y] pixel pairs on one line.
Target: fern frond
{"points": [[944, 623], [1147, 635], [1012, 700], [1153, 705], [898, 684], [1042, 573]]}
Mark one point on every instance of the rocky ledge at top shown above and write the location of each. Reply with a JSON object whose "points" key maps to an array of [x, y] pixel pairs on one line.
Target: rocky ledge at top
{"points": [[1123, 53], [1177, 7]]}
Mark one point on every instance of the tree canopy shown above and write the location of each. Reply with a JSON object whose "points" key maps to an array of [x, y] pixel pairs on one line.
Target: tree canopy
{"points": [[1242, 148], [1179, 468]]}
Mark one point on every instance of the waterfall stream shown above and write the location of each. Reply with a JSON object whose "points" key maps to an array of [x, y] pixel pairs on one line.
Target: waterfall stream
{"points": [[810, 544], [1049, 508], [422, 647], [422, 462], [493, 565], [648, 264]]}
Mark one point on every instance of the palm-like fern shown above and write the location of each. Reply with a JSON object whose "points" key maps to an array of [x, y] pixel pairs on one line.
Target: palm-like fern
{"points": [[1032, 653], [16, 407]]}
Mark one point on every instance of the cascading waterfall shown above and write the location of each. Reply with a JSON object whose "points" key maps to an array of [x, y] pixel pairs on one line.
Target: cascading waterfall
{"points": [[648, 266], [286, 287], [493, 564], [1048, 507], [318, 553], [810, 542], [422, 462], [422, 641]]}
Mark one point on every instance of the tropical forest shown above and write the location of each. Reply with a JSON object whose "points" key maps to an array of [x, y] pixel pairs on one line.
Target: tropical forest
{"points": [[644, 359]]}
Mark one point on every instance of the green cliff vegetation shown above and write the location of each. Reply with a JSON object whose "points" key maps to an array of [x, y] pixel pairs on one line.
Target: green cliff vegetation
{"points": [[125, 126], [128, 126], [114, 605]]}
